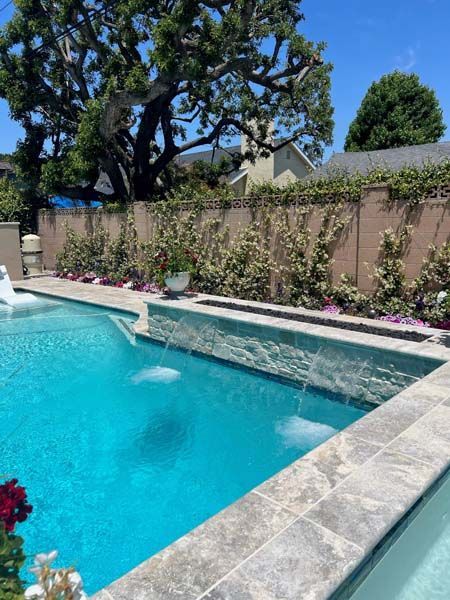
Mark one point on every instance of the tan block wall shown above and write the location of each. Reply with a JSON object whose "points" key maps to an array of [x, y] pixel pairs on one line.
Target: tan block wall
{"points": [[430, 223], [355, 252], [52, 231], [10, 254]]}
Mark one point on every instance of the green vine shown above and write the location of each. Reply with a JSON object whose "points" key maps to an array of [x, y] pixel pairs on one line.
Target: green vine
{"points": [[275, 257], [389, 274], [308, 272], [412, 184]]}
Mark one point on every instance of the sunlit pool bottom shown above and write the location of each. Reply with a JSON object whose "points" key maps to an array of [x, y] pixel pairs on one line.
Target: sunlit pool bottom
{"points": [[123, 449]]}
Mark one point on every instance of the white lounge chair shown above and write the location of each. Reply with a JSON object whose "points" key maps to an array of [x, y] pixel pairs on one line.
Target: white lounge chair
{"points": [[8, 295]]}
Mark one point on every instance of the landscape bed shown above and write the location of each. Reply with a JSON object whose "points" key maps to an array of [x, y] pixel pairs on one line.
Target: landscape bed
{"points": [[281, 536]]}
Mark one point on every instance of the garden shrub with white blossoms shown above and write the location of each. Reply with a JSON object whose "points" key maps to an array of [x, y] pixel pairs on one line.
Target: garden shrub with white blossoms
{"points": [[52, 583], [275, 251]]}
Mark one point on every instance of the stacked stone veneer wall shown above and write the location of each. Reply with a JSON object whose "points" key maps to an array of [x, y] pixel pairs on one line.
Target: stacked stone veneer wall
{"points": [[356, 251], [363, 374]]}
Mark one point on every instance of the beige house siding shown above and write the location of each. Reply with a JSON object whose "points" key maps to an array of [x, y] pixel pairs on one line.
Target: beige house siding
{"points": [[283, 166], [289, 165]]}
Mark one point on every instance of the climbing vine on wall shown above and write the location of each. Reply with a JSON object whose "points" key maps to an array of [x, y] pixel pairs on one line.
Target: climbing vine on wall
{"points": [[412, 184], [275, 257]]}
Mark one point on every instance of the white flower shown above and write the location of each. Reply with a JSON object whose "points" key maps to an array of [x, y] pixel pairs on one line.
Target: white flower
{"points": [[441, 297], [34, 592], [128, 285], [43, 560], [96, 281]]}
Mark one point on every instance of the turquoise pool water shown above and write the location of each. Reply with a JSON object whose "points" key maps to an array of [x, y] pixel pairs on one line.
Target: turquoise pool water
{"points": [[416, 567], [123, 450]]}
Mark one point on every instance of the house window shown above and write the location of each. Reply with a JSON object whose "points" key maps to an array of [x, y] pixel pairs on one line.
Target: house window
{"points": [[288, 155]]}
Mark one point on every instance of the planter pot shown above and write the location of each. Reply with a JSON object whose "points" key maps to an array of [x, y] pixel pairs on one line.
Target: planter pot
{"points": [[177, 282]]}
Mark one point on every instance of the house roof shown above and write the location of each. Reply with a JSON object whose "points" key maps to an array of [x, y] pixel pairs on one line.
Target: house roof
{"points": [[393, 158], [6, 166], [215, 157]]}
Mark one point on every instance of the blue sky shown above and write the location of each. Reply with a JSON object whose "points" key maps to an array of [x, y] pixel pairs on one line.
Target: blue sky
{"points": [[365, 40]]}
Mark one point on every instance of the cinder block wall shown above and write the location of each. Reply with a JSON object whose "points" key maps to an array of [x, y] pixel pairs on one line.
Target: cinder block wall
{"points": [[355, 252]]}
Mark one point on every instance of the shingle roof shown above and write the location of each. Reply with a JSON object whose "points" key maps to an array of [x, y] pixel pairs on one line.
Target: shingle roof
{"points": [[393, 158], [6, 166], [207, 155]]}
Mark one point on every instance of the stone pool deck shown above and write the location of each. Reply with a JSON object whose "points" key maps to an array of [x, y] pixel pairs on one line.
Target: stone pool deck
{"points": [[314, 529]]}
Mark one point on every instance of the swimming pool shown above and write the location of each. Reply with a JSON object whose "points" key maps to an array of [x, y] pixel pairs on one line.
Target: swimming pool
{"points": [[416, 566], [124, 447]]}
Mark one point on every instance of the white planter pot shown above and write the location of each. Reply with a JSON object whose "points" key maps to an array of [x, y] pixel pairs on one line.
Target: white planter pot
{"points": [[177, 282]]}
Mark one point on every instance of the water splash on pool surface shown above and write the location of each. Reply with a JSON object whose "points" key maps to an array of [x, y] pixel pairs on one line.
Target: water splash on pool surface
{"points": [[156, 375], [300, 433]]}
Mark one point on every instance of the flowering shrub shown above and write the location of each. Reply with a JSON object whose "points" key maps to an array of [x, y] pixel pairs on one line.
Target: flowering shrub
{"points": [[52, 584], [274, 251], [175, 259], [389, 273], [331, 309], [126, 283], [14, 507], [404, 320], [98, 253]]}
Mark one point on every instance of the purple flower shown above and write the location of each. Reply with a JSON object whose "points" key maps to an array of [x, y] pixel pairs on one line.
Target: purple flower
{"points": [[331, 309], [402, 320]]}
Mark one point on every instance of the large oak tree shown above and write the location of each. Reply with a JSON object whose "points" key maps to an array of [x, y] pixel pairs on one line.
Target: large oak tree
{"points": [[125, 86]]}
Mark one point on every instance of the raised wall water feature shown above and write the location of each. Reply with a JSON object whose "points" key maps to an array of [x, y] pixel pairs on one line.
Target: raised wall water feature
{"points": [[359, 373]]}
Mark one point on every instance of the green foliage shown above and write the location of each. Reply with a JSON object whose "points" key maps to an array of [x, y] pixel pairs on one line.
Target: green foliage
{"points": [[411, 183], [241, 270], [346, 293], [397, 111], [83, 253], [12, 559], [97, 252], [389, 273], [435, 270], [273, 249], [78, 162], [307, 275], [118, 93], [121, 253], [13, 204]]}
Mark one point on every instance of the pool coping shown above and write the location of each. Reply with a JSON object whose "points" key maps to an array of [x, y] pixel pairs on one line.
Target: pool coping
{"points": [[304, 531]]}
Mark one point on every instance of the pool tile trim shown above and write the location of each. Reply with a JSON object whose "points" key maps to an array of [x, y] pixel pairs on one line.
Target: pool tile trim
{"points": [[331, 470]]}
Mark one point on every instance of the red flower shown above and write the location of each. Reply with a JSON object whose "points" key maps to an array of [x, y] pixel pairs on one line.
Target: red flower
{"points": [[13, 504], [327, 300]]}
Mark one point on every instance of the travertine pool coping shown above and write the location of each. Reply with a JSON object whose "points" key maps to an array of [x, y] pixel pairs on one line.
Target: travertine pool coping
{"points": [[301, 533]]}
